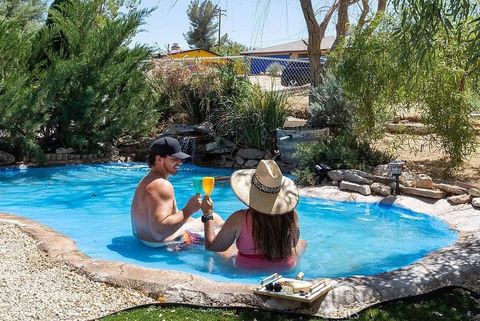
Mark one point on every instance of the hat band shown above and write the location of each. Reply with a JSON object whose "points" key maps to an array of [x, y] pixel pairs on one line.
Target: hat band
{"points": [[263, 188]]}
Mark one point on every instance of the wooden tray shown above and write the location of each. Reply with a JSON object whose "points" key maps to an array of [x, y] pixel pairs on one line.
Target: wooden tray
{"points": [[318, 289]]}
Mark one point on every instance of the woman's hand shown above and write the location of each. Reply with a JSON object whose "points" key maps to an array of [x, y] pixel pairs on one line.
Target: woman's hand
{"points": [[207, 205]]}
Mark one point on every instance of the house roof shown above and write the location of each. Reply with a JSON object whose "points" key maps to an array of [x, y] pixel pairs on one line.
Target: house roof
{"points": [[186, 52], [293, 46]]}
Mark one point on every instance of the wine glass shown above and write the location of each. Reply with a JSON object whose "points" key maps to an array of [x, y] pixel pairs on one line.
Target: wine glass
{"points": [[208, 183], [197, 184]]}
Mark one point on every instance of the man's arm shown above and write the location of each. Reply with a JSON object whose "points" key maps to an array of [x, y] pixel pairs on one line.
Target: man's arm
{"points": [[164, 219]]}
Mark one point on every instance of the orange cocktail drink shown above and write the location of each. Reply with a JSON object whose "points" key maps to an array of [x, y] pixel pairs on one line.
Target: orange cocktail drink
{"points": [[208, 183]]}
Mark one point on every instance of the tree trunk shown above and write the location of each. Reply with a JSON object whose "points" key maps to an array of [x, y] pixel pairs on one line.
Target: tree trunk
{"points": [[363, 16], [316, 32], [382, 6], [342, 22]]}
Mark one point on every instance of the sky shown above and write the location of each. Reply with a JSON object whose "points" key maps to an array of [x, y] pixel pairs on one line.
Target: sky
{"points": [[254, 23]]}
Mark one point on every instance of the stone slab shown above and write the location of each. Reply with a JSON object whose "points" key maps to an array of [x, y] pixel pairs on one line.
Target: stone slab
{"points": [[453, 189], [429, 193], [459, 199], [362, 189]]}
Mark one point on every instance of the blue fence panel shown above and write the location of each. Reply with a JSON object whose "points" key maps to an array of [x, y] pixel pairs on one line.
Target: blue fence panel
{"points": [[259, 65]]}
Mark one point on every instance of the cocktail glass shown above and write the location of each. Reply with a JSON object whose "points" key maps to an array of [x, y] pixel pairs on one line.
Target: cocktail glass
{"points": [[208, 183], [197, 184]]}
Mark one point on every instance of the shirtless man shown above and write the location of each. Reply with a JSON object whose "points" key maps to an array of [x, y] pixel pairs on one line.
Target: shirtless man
{"points": [[155, 216]]}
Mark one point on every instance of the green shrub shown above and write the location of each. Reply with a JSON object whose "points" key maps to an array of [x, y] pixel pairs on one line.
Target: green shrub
{"points": [[392, 65], [344, 151], [95, 87], [74, 83], [21, 112], [190, 86], [254, 116], [329, 107], [372, 78]]}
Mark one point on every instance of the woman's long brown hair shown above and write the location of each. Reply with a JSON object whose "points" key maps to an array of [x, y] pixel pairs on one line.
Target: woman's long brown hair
{"points": [[274, 235]]}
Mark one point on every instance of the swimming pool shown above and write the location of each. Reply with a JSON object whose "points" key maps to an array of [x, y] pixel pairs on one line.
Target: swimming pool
{"points": [[91, 205]]}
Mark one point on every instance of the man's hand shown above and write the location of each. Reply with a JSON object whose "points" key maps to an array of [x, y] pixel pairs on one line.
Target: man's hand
{"points": [[193, 205], [207, 205]]}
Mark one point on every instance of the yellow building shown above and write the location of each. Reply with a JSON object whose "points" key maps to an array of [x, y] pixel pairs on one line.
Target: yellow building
{"points": [[185, 54]]}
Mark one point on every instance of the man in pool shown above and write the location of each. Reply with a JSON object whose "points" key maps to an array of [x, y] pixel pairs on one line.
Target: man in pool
{"points": [[156, 220]]}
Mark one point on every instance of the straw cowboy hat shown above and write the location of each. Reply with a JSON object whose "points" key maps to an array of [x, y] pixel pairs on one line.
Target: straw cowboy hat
{"points": [[265, 189]]}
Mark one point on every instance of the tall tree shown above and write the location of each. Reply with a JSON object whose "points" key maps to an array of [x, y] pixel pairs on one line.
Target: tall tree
{"points": [[229, 47], [203, 24], [28, 14], [316, 30]]}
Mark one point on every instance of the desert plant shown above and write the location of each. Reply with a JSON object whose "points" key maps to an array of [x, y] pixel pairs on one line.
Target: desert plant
{"points": [[344, 151], [329, 107], [275, 69], [254, 117], [191, 86]]}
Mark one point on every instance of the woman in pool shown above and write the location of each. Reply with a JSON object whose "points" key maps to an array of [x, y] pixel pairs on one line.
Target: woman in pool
{"points": [[267, 232]]}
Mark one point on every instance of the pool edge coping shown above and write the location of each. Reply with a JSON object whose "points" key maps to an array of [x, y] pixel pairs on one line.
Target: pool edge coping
{"points": [[454, 265]]}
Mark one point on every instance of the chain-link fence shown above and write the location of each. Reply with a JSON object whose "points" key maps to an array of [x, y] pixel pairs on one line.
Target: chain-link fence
{"points": [[290, 75]]}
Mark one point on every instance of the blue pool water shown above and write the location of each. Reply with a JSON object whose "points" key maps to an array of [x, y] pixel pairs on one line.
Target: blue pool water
{"points": [[91, 204]]}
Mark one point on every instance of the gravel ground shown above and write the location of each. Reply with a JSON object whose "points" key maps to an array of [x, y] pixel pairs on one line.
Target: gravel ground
{"points": [[32, 287]]}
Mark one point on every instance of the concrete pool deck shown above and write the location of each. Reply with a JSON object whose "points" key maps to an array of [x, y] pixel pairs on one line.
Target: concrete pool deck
{"points": [[455, 265]]}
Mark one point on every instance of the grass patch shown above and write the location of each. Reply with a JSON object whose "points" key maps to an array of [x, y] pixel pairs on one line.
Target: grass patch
{"points": [[443, 305]]}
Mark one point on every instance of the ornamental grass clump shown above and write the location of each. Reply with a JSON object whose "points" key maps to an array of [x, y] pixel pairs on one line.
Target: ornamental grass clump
{"points": [[254, 117]]}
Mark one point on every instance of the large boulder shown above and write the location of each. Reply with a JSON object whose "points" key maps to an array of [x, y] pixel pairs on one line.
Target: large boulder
{"points": [[6, 158], [451, 189], [382, 170], [423, 181], [459, 199], [205, 128], [407, 179], [239, 160], [382, 179], [250, 153], [381, 189], [180, 130], [475, 192], [220, 146], [362, 189], [476, 202], [349, 175], [251, 163]]}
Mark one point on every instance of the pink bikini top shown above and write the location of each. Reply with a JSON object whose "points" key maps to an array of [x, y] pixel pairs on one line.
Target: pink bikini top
{"points": [[250, 258]]}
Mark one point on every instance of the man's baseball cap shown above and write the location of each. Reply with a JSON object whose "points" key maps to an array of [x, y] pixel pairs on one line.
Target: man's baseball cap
{"points": [[167, 146]]}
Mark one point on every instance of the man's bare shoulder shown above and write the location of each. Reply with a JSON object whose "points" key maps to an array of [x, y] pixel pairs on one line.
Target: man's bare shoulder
{"points": [[159, 187]]}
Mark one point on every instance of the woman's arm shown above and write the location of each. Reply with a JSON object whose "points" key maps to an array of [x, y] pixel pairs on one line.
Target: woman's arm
{"points": [[227, 234], [299, 245]]}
